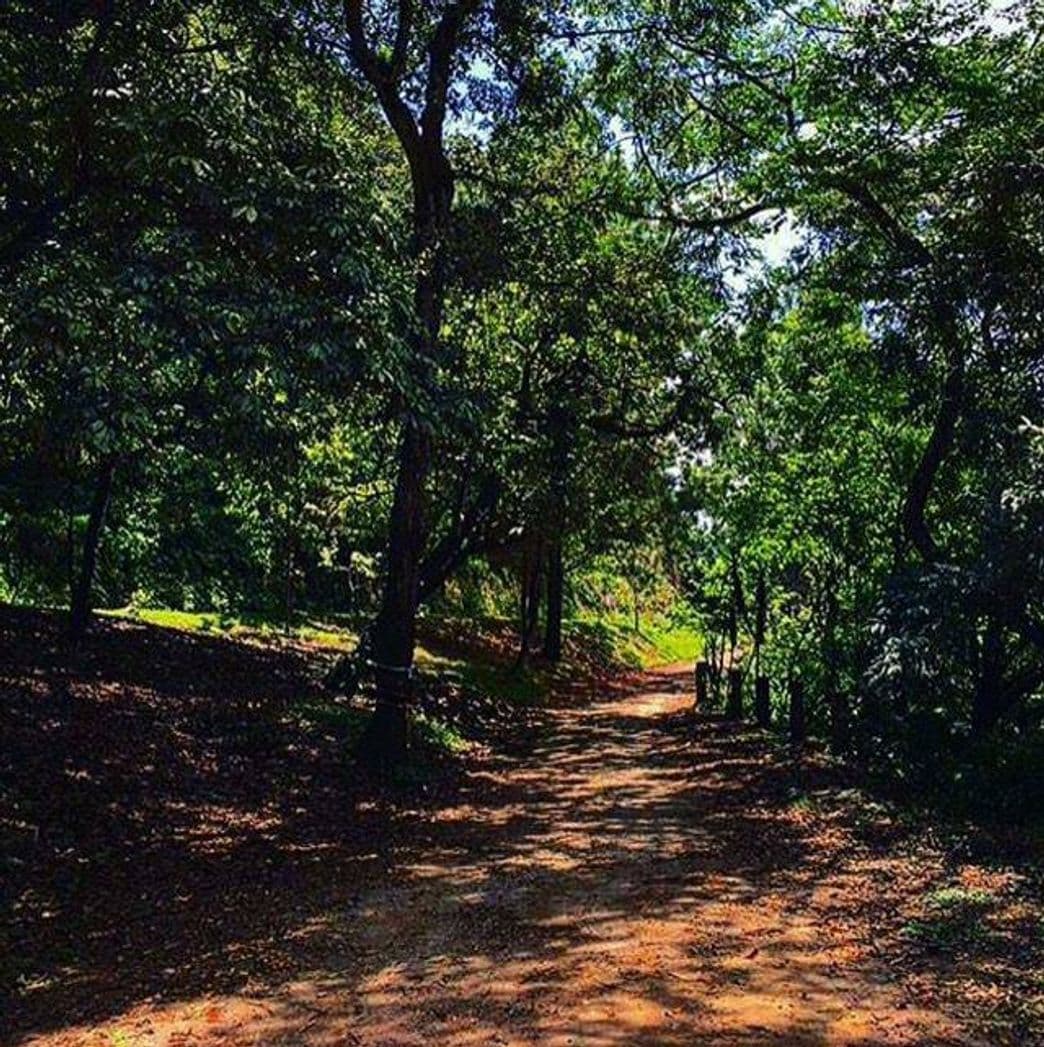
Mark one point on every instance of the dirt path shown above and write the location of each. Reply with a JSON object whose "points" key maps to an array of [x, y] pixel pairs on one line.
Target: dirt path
{"points": [[631, 880]]}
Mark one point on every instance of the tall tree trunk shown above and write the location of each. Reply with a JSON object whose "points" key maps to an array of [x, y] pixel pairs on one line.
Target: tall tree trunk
{"points": [[762, 701], [796, 694], [940, 443], [836, 707], [717, 665], [431, 182], [988, 704], [734, 704], [555, 600], [529, 596], [702, 679], [80, 598], [536, 583], [385, 742], [563, 427], [523, 608]]}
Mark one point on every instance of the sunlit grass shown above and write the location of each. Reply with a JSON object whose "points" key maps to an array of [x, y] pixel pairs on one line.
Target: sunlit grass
{"points": [[323, 634], [658, 641], [610, 642]]}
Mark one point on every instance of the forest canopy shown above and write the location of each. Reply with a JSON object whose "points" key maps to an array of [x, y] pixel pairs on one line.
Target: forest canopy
{"points": [[388, 310]]}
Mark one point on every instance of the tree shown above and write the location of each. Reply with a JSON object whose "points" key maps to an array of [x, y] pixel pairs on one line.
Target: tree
{"points": [[179, 267]]}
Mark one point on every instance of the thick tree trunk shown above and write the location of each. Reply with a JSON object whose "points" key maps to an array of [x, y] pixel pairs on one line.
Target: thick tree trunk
{"points": [[80, 598], [555, 599], [838, 720], [536, 579], [563, 427], [288, 586], [760, 620], [385, 742], [431, 181]]}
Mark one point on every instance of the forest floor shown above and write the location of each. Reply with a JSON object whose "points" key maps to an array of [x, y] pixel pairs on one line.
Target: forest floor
{"points": [[185, 864]]}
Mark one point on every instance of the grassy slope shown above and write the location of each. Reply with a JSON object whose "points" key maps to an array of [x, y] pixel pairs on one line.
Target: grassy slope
{"points": [[458, 656], [659, 641], [613, 641]]}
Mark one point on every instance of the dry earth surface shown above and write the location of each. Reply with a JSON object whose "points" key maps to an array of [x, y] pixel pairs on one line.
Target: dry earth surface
{"points": [[184, 865]]}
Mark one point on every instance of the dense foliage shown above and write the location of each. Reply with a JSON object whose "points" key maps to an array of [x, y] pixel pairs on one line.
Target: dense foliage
{"points": [[370, 307]]}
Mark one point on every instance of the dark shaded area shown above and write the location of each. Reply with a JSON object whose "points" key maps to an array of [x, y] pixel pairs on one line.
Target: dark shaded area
{"points": [[166, 817]]}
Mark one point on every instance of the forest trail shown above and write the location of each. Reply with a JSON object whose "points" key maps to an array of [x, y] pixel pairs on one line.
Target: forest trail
{"points": [[631, 879]]}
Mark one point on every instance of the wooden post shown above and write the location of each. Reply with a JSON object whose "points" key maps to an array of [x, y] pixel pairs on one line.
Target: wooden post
{"points": [[797, 709], [838, 722], [734, 708], [702, 674], [762, 707]]}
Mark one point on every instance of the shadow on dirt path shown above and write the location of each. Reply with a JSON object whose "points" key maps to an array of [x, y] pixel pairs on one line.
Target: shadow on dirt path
{"points": [[634, 878]]}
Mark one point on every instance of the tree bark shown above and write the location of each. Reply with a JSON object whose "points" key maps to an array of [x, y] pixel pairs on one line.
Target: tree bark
{"points": [[702, 680], [563, 427], [717, 665], [80, 598], [988, 704], [797, 709], [529, 596], [555, 600], [836, 706], [940, 443], [385, 743], [762, 702], [760, 619], [734, 708]]}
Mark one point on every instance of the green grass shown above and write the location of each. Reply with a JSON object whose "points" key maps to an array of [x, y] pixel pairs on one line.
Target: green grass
{"points": [[498, 679], [658, 641], [342, 721], [524, 685], [806, 804], [347, 723], [439, 735], [187, 621], [671, 642], [954, 917], [323, 634], [600, 643]]}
